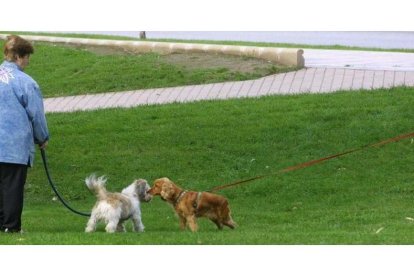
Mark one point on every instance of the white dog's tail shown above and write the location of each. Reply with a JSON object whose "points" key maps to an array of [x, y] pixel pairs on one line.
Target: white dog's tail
{"points": [[97, 185]]}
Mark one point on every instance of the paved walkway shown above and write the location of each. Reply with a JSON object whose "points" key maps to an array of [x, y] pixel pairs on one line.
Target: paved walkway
{"points": [[326, 71], [359, 60], [308, 80]]}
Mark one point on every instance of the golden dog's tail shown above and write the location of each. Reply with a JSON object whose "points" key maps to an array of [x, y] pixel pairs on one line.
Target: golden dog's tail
{"points": [[97, 185]]}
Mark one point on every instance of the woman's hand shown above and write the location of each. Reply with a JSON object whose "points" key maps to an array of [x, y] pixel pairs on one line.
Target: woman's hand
{"points": [[44, 145]]}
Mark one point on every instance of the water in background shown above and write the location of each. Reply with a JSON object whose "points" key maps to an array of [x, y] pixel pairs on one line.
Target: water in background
{"points": [[387, 40]]}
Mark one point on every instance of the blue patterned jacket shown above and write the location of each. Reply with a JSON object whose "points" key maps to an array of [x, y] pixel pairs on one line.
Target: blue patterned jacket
{"points": [[22, 118]]}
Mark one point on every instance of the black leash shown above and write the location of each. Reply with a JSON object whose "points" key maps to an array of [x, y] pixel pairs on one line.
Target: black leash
{"points": [[42, 151]]}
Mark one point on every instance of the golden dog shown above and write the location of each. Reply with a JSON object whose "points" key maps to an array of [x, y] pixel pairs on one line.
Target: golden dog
{"points": [[189, 205]]}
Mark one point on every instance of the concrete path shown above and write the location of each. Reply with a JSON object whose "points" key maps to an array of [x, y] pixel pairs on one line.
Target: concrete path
{"points": [[326, 71], [308, 80], [359, 60]]}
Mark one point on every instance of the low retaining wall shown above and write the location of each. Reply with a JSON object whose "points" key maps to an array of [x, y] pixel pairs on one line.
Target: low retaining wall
{"points": [[284, 56]]}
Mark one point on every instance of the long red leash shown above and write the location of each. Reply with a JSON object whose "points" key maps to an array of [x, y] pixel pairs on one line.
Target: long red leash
{"points": [[314, 162]]}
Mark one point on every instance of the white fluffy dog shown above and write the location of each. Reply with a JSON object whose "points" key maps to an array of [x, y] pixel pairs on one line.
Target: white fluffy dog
{"points": [[115, 208]]}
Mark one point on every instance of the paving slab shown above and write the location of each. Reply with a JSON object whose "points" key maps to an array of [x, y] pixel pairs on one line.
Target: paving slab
{"points": [[308, 80]]}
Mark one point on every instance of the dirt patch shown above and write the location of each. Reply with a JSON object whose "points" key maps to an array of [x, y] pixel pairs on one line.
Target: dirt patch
{"points": [[193, 61], [214, 61]]}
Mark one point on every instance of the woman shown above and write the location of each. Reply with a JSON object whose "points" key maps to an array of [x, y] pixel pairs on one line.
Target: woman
{"points": [[22, 125]]}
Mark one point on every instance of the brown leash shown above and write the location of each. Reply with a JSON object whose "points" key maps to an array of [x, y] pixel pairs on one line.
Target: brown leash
{"points": [[314, 162]]}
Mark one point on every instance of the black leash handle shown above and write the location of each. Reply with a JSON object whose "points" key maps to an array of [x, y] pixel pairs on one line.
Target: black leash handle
{"points": [[42, 151]]}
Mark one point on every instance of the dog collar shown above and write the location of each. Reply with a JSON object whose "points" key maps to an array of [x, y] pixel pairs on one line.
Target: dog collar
{"points": [[195, 204], [180, 196]]}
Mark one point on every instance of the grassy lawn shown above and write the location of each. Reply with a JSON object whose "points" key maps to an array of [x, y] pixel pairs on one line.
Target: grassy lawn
{"points": [[362, 198], [64, 70]]}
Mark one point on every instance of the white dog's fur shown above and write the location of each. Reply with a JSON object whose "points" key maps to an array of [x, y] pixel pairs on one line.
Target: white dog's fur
{"points": [[115, 208]]}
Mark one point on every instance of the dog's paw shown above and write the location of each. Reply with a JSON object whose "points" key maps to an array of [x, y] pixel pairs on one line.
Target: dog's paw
{"points": [[89, 230], [139, 229]]}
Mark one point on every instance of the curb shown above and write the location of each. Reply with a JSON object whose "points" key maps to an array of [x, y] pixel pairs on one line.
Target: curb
{"points": [[284, 56]]}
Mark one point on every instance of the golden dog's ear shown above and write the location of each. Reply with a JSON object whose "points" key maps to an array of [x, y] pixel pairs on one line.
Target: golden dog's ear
{"points": [[166, 190]]}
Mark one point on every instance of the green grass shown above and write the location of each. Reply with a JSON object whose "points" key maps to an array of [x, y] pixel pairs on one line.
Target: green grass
{"points": [[64, 71], [201, 145]]}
